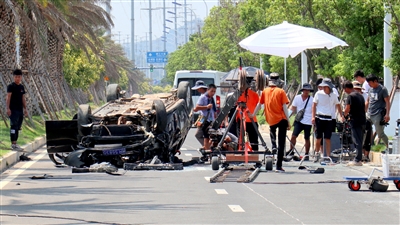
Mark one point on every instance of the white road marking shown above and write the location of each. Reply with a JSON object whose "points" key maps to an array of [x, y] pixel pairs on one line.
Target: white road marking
{"points": [[183, 149], [273, 204], [207, 179], [221, 191], [236, 208], [17, 172], [188, 154], [201, 168]]}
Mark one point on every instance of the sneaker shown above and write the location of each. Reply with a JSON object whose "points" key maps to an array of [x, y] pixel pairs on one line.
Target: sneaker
{"points": [[290, 152], [316, 157], [280, 170], [201, 151], [16, 147], [24, 158], [354, 163]]}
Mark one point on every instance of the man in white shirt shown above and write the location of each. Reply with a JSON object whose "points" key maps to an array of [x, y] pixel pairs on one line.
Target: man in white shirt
{"points": [[304, 102], [323, 103], [360, 77]]}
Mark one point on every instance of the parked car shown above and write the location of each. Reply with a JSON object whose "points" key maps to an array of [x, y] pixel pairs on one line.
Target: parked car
{"points": [[124, 130]]}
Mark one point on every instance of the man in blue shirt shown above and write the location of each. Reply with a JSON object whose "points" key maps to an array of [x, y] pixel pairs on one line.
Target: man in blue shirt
{"points": [[207, 108]]}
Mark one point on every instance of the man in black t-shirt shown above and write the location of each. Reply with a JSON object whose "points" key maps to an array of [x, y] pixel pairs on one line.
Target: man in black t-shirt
{"points": [[16, 107], [355, 107]]}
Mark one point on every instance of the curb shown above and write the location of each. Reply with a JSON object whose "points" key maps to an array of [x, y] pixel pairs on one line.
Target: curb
{"points": [[12, 157]]}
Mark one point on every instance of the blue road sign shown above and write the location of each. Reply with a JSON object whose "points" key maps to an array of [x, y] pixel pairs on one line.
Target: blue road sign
{"points": [[157, 57]]}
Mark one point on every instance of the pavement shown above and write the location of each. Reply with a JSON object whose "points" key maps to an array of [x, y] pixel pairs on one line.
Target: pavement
{"points": [[12, 157], [187, 197]]}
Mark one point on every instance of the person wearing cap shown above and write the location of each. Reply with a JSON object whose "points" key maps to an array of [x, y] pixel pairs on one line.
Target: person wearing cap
{"points": [[279, 83], [16, 107], [200, 86], [355, 109], [300, 102], [378, 107], [335, 91], [275, 76], [207, 108], [276, 114], [324, 103]]}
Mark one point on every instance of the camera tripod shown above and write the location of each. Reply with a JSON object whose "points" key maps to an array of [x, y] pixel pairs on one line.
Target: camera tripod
{"points": [[244, 147]]}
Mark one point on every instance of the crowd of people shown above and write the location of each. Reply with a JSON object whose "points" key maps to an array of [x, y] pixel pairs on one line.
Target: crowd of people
{"points": [[366, 104]]}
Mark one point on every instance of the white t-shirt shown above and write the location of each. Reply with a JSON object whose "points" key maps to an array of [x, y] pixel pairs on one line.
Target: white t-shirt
{"points": [[299, 104], [366, 89], [326, 104]]}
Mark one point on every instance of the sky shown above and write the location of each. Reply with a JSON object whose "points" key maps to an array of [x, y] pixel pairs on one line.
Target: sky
{"points": [[121, 15]]}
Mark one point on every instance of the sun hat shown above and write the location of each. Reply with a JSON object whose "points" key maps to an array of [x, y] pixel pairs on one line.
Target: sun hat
{"points": [[199, 84], [357, 85], [307, 86], [326, 82]]}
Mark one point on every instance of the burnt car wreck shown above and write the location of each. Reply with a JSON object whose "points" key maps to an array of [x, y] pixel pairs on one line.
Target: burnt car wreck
{"points": [[125, 132]]}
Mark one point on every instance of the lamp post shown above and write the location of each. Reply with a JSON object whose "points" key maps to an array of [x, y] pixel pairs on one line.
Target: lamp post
{"points": [[206, 7], [176, 23]]}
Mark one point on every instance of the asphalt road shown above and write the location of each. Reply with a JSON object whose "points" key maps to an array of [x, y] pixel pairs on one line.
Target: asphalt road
{"points": [[186, 197]]}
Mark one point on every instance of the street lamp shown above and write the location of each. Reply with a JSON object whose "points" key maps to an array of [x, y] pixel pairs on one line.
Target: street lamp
{"points": [[206, 7]]}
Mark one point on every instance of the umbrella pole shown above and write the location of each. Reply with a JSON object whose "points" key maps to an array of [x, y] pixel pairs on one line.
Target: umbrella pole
{"points": [[285, 69]]}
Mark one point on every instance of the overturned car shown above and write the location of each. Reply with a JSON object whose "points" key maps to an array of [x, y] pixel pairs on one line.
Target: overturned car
{"points": [[138, 129]]}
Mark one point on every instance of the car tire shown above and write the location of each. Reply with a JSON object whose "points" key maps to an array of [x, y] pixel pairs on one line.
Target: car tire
{"points": [[113, 92], [83, 117], [161, 115], [184, 92]]}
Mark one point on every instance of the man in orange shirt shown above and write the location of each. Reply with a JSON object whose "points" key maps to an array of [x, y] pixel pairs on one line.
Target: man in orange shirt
{"points": [[277, 116], [250, 98]]}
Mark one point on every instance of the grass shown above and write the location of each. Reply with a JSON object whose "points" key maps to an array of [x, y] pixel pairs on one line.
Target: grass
{"points": [[29, 132], [26, 135]]}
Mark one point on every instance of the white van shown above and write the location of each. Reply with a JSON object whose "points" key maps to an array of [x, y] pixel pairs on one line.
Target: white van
{"points": [[209, 77]]}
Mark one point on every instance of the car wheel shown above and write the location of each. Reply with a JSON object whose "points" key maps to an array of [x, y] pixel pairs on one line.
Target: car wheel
{"points": [[83, 117], [184, 92], [161, 115], [113, 92], [58, 158]]}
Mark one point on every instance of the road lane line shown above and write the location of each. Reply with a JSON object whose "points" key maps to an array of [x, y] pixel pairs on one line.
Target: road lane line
{"points": [[190, 147], [236, 208], [184, 149], [273, 204], [221, 191], [188, 154], [207, 179], [17, 172], [201, 168]]}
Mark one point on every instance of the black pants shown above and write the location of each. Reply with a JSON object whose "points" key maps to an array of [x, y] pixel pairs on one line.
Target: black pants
{"points": [[234, 126], [16, 119], [282, 129], [368, 136], [357, 133], [272, 135], [253, 135]]}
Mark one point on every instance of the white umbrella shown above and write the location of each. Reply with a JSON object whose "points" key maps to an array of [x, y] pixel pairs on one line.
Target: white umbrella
{"points": [[287, 39]]}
